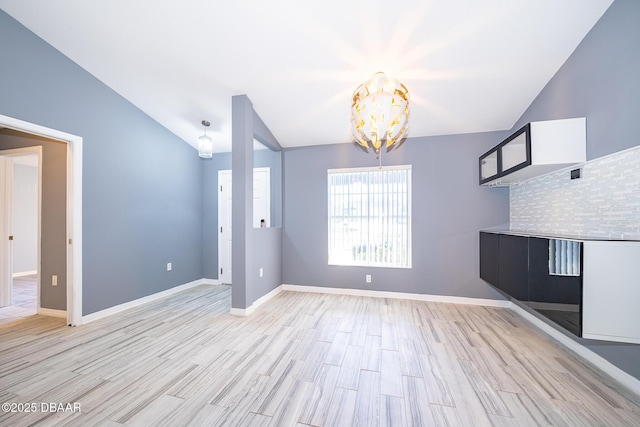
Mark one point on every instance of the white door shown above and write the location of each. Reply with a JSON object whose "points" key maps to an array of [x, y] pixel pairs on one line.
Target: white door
{"points": [[261, 211], [261, 197], [224, 226], [6, 237]]}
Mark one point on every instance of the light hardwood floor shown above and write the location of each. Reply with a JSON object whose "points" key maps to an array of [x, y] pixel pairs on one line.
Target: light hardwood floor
{"points": [[303, 359], [24, 300]]}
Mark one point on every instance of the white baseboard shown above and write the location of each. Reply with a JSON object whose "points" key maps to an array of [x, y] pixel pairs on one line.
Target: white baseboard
{"points": [[399, 295], [149, 298], [257, 303], [24, 273], [629, 381], [52, 313]]}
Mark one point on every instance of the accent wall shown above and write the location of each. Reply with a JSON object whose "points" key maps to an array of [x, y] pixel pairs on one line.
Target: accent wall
{"points": [[142, 185]]}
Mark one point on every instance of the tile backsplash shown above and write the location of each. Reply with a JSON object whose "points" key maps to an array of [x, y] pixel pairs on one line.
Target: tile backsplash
{"points": [[604, 202]]}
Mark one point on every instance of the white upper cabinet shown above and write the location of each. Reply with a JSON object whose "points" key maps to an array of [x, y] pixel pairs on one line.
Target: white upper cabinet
{"points": [[535, 149]]}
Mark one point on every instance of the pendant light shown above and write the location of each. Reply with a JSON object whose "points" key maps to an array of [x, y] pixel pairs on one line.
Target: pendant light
{"points": [[205, 143], [380, 114]]}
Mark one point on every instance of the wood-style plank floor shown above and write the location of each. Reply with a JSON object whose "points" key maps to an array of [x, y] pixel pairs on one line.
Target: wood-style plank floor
{"points": [[303, 359], [24, 299]]}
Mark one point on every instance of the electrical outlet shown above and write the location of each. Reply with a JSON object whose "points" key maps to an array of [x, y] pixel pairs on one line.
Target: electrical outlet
{"points": [[169, 266], [367, 278], [54, 280], [576, 173], [261, 271]]}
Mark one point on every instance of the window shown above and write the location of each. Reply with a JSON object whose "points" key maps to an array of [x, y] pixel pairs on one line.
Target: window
{"points": [[370, 216]]}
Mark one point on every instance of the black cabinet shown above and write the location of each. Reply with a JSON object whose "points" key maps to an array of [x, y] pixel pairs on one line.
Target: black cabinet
{"points": [[513, 262], [519, 267], [503, 263], [549, 288], [489, 245], [556, 296]]}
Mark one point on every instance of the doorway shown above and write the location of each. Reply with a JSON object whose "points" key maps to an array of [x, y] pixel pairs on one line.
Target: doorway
{"points": [[20, 196], [261, 214], [73, 143]]}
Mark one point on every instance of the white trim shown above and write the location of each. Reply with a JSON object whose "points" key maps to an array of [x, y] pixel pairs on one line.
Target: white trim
{"points": [[399, 295], [140, 301], [244, 312], [74, 209], [602, 337], [629, 381], [24, 273], [52, 313]]}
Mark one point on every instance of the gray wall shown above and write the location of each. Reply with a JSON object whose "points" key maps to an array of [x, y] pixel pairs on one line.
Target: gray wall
{"points": [[252, 248], [53, 222], [141, 184], [600, 82], [25, 218], [448, 210], [268, 256]]}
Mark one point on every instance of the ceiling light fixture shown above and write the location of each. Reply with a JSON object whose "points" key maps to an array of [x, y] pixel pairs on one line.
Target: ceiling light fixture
{"points": [[380, 114], [205, 143]]}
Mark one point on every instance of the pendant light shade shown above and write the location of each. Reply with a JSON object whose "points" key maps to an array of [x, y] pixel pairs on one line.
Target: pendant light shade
{"points": [[380, 113], [205, 143]]}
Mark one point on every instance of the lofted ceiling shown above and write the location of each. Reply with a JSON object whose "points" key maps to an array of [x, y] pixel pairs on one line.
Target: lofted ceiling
{"points": [[469, 65]]}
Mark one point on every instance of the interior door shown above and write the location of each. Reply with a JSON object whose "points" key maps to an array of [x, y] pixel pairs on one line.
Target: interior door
{"points": [[261, 197], [6, 237], [224, 226], [261, 211]]}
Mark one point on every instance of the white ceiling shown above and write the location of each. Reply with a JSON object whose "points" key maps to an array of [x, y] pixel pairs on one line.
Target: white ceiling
{"points": [[469, 65]]}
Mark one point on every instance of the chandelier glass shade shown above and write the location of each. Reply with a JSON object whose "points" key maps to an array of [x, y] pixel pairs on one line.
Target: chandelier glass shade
{"points": [[380, 113], [205, 143]]}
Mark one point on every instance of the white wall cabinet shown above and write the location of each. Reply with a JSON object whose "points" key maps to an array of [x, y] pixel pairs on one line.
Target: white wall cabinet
{"points": [[535, 149]]}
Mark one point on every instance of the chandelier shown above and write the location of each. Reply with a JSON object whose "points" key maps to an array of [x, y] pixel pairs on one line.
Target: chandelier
{"points": [[380, 114], [205, 143]]}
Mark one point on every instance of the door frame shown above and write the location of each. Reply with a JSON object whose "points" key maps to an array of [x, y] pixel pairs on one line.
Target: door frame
{"points": [[8, 195], [74, 209]]}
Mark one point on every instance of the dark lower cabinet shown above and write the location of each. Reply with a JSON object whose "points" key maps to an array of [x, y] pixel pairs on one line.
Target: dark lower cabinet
{"points": [[549, 288], [519, 267], [513, 260], [489, 245], [558, 297], [503, 263]]}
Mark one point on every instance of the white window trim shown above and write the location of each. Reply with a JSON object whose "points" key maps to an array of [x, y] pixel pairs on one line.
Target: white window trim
{"points": [[409, 216]]}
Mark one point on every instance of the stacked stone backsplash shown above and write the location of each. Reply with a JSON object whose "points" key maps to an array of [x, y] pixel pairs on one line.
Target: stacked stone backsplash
{"points": [[603, 203]]}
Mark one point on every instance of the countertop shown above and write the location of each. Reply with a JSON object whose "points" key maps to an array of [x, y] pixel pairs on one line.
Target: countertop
{"points": [[575, 237]]}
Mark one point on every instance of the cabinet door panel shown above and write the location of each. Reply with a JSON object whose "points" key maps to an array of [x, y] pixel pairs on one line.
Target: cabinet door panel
{"points": [[489, 244], [513, 268], [611, 292], [547, 288], [489, 166]]}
